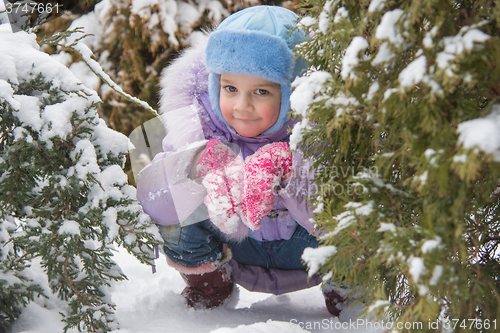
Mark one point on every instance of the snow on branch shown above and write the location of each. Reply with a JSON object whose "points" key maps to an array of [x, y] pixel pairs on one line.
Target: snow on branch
{"points": [[94, 66]]}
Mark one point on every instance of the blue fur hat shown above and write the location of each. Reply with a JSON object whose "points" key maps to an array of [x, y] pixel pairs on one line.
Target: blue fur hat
{"points": [[256, 42]]}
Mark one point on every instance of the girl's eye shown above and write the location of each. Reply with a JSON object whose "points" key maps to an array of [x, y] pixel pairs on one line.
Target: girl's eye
{"points": [[261, 91], [230, 88]]}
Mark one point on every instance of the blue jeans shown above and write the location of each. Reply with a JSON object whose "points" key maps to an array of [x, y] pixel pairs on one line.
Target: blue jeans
{"points": [[202, 242]]}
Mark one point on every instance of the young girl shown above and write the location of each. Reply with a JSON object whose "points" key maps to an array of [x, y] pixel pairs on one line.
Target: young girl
{"points": [[228, 194]]}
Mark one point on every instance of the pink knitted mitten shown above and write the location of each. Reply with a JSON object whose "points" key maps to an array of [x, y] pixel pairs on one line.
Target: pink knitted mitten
{"points": [[264, 170], [215, 156], [223, 171]]}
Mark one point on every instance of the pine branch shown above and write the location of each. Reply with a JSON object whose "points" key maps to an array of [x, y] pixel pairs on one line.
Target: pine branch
{"points": [[57, 38], [94, 66]]}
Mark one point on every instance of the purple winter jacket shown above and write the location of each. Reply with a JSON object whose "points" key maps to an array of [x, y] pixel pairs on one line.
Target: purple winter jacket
{"points": [[168, 193]]}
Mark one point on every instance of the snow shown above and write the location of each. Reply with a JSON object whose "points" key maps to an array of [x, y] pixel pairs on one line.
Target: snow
{"points": [[87, 54], [110, 217], [7, 93], [413, 73], [306, 89], [307, 21], [342, 101], [8, 69], [483, 133], [141, 7], [270, 325], [83, 73], [373, 90], [431, 244], [427, 41], [361, 209], [57, 119], [107, 178], [387, 227], [319, 208], [456, 45], [69, 227], [28, 112], [387, 28], [306, 92], [187, 16], [85, 156], [460, 158], [62, 57], [4, 19], [316, 257], [346, 219], [436, 275], [22, 54], [351, 58], [342, 13], [376, 5], [474, 36], [109, 140], [172, 16], [429, 152], [378, 304], [324, 20], [92, 24], [151, 303], [416, 268], [384, 54], [298, 133], [388, 93], [423, 177]]}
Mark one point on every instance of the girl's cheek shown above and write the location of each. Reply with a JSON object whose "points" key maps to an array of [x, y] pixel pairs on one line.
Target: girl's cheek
{"points": [[225, 108]]}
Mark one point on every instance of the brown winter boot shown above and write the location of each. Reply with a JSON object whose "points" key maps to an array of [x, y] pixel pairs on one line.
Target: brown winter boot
{"points": [[208, 290], [332, 299]]}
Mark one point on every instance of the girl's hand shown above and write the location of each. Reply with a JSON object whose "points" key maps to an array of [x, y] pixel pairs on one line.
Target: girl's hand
{"points": [[222, 173], [216, 156], [269, 166]]}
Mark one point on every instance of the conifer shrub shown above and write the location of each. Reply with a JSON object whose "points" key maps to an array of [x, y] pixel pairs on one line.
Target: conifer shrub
{"points": [[64, 197], [400, 112]]}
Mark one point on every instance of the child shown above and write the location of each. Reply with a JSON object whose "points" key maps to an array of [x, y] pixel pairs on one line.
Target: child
{"points": [[229, 207]]}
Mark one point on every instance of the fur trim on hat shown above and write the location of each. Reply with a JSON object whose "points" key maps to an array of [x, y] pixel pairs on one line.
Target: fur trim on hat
{"points": [[250, 52]]}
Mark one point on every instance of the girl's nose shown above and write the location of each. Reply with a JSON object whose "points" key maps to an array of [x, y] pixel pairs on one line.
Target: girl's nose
{"points": [[243, 103]]}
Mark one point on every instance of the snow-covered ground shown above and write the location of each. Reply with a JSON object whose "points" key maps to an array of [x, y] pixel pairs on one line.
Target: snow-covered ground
{"points": [[150, 303]]}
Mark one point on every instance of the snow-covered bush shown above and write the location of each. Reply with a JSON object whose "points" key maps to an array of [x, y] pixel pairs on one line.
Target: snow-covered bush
{"points": [[64, 197], [402, 102]]}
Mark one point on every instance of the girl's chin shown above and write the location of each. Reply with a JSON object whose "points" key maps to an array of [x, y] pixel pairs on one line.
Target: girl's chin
{"points": [[247, 134], [247, 131]]}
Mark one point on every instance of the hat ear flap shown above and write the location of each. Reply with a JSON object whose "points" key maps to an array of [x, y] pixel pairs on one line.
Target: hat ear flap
{"points": [[285, 108], [214, 94]]}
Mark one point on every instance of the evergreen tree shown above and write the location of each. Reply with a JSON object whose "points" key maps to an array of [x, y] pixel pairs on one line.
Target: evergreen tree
{"points": [[402, 103], [64, 197]]}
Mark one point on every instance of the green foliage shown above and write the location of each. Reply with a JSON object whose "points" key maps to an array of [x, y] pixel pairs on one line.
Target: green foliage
{"points": [[410, 202], [62, 183], [16, 290]]}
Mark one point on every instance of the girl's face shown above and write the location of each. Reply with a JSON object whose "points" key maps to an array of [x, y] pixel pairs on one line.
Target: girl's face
{"points": [[249, 104]]}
